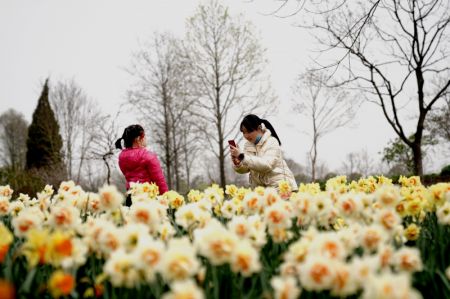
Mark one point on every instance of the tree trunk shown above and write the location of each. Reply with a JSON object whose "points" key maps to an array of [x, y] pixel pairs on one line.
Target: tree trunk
{"points": [[314, 145], [168, 170], [223, 181], [108, 169], [417, 156], [167, 140], [84, 148], [313, 156], [69, 157], [186, 161], [176, 164], [188, 174], [417, 145]]}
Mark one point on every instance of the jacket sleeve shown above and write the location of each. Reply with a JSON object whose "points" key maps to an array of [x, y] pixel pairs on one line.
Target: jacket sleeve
{"points": [[241, 168], [266, 162], [156, 173]]}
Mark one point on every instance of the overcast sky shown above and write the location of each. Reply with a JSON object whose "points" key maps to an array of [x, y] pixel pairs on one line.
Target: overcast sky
{"points": [[91, 41]]}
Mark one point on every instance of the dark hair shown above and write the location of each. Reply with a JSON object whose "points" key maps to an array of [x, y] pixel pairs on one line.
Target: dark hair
{"points": [[129, 134], [251, 123]]}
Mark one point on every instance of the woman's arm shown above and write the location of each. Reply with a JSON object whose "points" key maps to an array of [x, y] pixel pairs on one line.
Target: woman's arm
{"points": [[156, 173], [240, 168], [267, 161], [237, 163]]}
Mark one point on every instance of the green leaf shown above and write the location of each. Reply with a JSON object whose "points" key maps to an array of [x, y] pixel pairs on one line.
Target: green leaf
{"points": [[444, 279], [28, 281]]}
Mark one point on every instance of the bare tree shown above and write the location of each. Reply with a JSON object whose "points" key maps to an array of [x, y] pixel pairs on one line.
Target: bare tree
{"points": [[358, 163], [88, 126], [13, 139], [351, 164], [301, 173], [76, 116], [391, 50], [366, 163], [190, 150], [161, 94], [397, 152], [322, 170], [227, 64], [326, 108], [185, 141], [103, 145], [295, 167]]}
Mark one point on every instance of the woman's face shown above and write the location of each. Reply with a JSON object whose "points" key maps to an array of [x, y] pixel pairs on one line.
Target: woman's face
{"points": [[251, 136]]}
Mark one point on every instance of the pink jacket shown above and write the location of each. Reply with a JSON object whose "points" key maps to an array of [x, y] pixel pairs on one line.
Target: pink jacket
{"points": [[141, 165]]}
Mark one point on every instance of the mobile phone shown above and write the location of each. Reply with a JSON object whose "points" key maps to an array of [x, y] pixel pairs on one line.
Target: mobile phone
{"points": [[232, 143]]}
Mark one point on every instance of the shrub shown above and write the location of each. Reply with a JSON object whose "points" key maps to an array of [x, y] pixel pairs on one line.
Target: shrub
{"points": [[445, 171]]}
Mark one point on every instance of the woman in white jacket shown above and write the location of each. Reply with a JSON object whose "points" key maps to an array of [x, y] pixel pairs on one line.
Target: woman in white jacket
{"points": [[262, 156]]}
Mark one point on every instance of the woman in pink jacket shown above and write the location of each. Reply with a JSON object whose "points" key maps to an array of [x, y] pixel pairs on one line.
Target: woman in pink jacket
{"points": [[136, 162]]}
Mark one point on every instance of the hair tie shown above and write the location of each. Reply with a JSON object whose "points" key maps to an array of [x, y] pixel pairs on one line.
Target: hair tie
{"points": [[263, 126]]}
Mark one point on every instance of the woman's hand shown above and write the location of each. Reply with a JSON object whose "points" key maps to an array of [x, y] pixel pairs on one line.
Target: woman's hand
{"points": [[236, 161], [235, 151]]}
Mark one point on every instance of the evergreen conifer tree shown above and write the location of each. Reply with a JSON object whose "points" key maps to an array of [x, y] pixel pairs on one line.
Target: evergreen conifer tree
{"points": [[44, 142]]}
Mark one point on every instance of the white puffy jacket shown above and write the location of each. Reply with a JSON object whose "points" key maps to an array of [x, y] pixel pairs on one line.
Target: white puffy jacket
{"points": [[265, 163]]}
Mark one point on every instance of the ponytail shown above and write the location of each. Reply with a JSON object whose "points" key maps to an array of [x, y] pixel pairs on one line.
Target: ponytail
{"points": [[269, 126], [251, 122], [118, 143], [129, 135]]}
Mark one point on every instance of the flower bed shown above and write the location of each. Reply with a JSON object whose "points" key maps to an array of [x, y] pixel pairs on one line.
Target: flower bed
{"points": [[369, 239]]}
